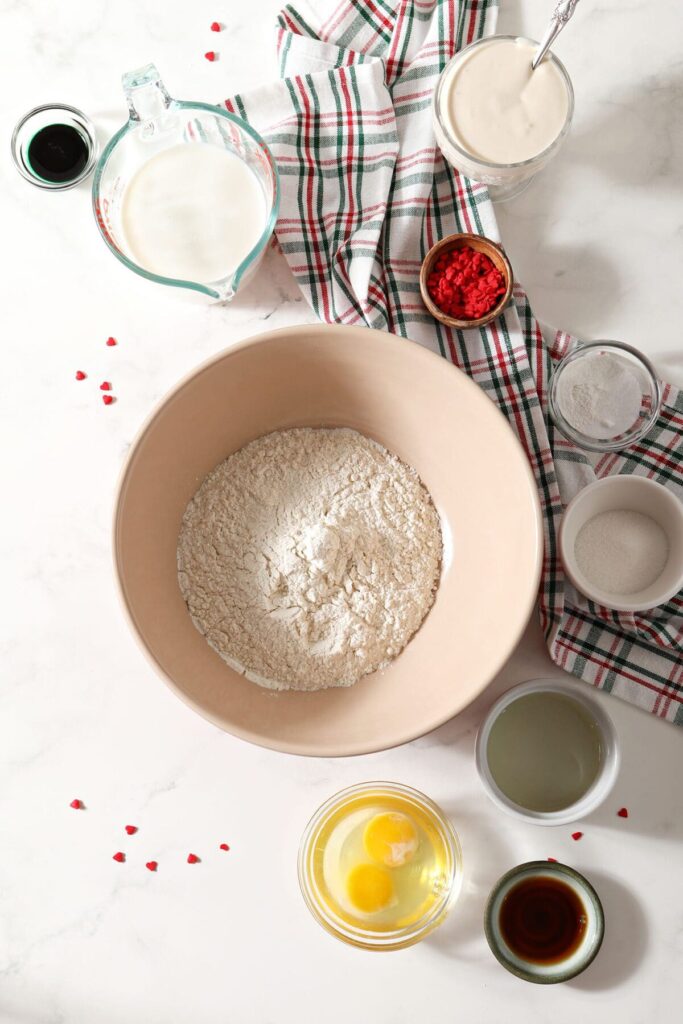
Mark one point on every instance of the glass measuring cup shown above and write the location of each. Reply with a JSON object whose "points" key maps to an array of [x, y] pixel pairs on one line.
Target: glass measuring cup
{"points": [[156, 123]]}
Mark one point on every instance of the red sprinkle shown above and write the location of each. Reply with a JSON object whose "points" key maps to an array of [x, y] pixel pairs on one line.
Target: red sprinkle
{"points": [[224, 846], [120, 857], [553, 860], [210, 55], [465, 284], [112, 341], [107, 399], [105, 386], [76, 804], [80, 375], [216, 26], [623, 812], [151, 865], [131, 829], [192, 858], [576, 835]]}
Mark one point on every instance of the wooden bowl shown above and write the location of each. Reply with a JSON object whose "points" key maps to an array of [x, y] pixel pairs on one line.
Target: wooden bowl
{"points": [[479, 244]]}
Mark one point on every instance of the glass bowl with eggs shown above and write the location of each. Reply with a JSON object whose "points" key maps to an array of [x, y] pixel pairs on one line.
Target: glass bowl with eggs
{"points": [[380, 865]]}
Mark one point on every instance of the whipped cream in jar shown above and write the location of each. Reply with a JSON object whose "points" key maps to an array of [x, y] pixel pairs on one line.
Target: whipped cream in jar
{"points": [[496, 120]]}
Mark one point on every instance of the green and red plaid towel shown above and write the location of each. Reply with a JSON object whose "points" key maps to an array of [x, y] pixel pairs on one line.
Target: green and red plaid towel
{"points": [[365, 193]]}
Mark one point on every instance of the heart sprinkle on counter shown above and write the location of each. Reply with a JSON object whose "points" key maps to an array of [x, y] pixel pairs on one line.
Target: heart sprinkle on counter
{"points": [[119, 857], [105, 385], [623, 812], [224, 846], [210, 55], [107, 399], [192, 858], [553, 860], [80, 375], [77, 805], [111, 341], [151, 865], [131, 829], [465, 284], [576, 835], [216, 26]]}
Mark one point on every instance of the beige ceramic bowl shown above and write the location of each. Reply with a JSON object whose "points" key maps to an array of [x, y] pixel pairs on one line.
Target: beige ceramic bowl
{"points": [[428, 413]]}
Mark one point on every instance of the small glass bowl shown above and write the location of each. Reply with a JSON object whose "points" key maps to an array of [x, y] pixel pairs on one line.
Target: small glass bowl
{"points": [[505, 181], [41, 117], [650, 405], [310, 867]]}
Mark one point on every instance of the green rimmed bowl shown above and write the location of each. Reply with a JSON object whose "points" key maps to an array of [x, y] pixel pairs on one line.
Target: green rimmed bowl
{"points": [[577, 961]]}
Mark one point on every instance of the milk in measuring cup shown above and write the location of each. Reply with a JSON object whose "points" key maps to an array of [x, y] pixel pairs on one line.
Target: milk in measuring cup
{"points": [[193, 212]]}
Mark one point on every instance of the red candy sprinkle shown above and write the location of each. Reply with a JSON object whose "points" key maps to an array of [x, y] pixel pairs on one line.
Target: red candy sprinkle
{"points": [[76, 804], [224, 846], [131, 829], [112, 341], [151, 865], [192, 858], [553, 860], [80, 375], [107, 399], [210, 55], [105, 385], [216, 26], [119, 857], [576, 835], [623, 812], [465, 284]]}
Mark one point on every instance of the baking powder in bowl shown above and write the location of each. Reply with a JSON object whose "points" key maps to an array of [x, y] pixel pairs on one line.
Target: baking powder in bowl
{"points": [[309, 558]]}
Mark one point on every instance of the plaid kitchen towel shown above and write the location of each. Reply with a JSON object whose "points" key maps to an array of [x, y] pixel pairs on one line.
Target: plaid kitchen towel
{"points": [[365, 193]]}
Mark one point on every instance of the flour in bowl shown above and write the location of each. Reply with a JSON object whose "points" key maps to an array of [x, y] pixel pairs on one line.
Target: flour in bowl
{"points": [[309, 558]]}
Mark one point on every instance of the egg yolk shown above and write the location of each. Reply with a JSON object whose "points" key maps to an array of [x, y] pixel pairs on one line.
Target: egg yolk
{"points": [[391, 839], [369, 888]]}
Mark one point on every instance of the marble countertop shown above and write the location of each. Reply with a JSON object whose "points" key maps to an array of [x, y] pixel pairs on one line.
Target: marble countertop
{"points": [[598, 243]]}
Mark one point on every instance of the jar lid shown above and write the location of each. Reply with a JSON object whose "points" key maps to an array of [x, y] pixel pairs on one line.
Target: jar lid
{"points": [[54, 146]]}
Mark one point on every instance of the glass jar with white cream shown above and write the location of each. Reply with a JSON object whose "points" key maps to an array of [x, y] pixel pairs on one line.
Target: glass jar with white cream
{"points": [[496, 120]]}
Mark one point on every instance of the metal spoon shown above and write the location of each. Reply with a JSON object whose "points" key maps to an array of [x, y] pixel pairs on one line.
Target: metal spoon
{"points": [[561, 16]]}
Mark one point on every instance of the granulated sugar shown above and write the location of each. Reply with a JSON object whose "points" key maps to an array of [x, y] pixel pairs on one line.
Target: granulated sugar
{"points": [[309, 558], [621, 552]]}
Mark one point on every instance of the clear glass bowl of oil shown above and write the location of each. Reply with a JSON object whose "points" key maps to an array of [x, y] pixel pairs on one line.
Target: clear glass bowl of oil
{"points": [[380, 865]]}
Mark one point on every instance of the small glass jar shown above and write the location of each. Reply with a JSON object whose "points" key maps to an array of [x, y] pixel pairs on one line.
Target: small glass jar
{"points": [[651, 396], [53, 115], [505, 181], [380, 797]]}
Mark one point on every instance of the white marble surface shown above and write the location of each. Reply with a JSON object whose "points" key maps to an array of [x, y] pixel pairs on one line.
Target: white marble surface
{"points": [[598, 242]]}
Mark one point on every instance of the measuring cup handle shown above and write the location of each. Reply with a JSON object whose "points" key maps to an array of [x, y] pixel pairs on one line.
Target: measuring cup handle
{"points": [[145, 93]]}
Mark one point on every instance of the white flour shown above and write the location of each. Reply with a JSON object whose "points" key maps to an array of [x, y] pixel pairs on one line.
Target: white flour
{"points": [[600, 395], [309, 558]]}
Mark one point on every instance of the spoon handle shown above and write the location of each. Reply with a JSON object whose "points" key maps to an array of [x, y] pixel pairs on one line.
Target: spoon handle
{"points": [[561, 15]]}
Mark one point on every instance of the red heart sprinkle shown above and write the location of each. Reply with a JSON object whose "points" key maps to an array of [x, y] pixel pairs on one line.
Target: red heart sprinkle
{"points": [[576, 835], [224, 846], [216, 26], [76, 804], [120, 857], [623, 812], [105, 385], [107, 399], [151, 865], [80, 375], [112, 341], [192, 858], [553, 860], [131, 829], [210, 55]]}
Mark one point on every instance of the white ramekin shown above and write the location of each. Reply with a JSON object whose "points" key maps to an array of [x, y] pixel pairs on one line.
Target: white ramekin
{"points": [[634, 494], [606, 777]]}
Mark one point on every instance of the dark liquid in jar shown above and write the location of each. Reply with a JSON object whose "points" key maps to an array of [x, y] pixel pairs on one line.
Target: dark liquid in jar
{"points": [[58, 153], [542, 920]]}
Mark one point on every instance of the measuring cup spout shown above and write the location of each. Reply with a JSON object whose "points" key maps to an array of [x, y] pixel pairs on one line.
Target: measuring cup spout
{"points": [[146, 94]]}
